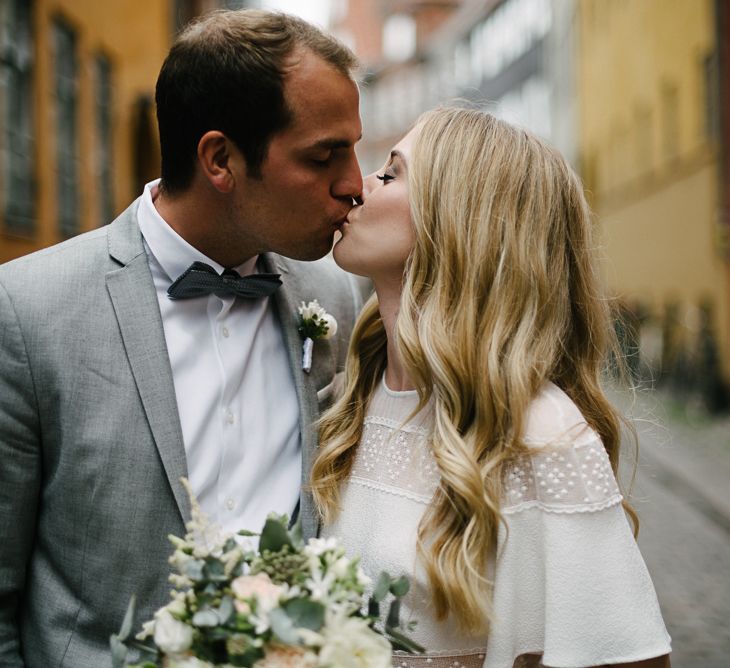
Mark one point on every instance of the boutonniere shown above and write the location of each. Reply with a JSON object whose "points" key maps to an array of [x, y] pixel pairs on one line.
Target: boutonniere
{"points": [[315, 324]]}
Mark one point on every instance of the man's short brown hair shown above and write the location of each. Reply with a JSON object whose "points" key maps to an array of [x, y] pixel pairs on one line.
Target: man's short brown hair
{"points": [[226, 72]]}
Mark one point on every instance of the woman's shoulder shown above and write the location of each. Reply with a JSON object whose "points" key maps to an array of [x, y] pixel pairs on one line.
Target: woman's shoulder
{"points": [[554, 421], [566, 468]]}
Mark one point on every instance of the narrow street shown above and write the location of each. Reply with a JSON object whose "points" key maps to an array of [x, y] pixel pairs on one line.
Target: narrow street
{"points": [[682, 495]]}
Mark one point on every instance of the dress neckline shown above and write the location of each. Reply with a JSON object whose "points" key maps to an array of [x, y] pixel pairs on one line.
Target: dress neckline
{"points": [[396, 393]]}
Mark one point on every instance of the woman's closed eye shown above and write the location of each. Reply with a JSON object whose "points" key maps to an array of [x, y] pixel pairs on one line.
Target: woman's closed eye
{"points": [[385, 177]]}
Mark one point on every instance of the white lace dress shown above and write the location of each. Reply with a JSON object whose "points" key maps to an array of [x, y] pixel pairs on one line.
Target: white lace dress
{"points": [[569, 585]]}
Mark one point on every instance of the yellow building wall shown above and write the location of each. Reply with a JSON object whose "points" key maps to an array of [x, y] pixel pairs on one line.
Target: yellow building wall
{"points": [[649, 162], [135, 36]]}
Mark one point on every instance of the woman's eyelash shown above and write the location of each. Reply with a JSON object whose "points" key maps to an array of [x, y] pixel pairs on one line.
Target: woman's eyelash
{"points": [[385, 177]]}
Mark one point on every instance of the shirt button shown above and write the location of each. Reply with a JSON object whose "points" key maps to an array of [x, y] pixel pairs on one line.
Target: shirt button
{"points": [[225, 332], [229, 418], [230, 504]]}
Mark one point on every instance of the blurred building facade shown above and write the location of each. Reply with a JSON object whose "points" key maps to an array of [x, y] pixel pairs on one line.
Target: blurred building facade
{"points": [[513, 57], [650, 155], [629, 92], [78, 136]]}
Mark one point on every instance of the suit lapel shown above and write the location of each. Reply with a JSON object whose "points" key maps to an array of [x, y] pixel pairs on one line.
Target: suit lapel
{"points": [[287, 299], [135, 304]]}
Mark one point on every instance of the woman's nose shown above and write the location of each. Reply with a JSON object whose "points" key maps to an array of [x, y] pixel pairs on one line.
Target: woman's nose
{"points": [[368, 184]]}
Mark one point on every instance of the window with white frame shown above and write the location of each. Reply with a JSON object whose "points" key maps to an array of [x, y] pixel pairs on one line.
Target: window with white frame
{"points": [[66, 93], [104, 135], [17, 142]]}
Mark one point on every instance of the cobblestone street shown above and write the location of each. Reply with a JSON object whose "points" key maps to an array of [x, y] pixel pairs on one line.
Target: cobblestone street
{"points": [[682, 495]]}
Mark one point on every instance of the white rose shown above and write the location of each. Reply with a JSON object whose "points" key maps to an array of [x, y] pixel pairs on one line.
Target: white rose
{"points": [[340, 567], [258, 586], [318, 546], [331, 326], [177, 606], [148, 630], [171, 635], [351, 643]]}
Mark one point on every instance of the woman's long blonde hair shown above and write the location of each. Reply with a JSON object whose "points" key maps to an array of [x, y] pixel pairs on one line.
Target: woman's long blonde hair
{"points": [[500, 294]]}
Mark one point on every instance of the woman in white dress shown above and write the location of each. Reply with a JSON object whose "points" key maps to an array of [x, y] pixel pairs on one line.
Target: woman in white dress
{"points": [[472, 447]]}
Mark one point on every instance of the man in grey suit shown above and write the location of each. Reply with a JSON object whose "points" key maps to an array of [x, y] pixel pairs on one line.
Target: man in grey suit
{"points": [[131, 355]]}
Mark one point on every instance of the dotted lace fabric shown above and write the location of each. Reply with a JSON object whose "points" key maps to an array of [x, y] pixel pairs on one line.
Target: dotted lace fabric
{"points": [[566, 470]]}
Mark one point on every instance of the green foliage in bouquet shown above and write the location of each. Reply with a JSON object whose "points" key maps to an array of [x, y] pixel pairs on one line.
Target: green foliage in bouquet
{"points": [[233, 606]]}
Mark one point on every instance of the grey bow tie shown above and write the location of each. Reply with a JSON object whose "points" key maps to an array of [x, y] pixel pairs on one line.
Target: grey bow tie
{"points": [[200, 280]]}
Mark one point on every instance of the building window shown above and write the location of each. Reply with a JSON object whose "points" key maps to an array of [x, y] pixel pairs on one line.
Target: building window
{"points": [[643, 143], [710, 81], [399, 38], [104, 157], [16, 81], [670, 120], [66, 85]]}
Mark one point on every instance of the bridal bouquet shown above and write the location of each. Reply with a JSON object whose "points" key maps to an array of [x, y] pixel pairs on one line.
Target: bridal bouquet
{"points": [[285, 604]]}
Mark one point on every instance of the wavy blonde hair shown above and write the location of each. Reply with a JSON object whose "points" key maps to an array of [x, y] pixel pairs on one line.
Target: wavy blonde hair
{"points": [[500, 294]]}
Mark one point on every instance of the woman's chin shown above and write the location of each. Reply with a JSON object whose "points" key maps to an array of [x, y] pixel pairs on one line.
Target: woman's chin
{"points": [[347, 263]]}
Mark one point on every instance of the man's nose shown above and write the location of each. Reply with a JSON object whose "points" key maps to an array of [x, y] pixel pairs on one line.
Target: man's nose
{"points": [[349, 184]]}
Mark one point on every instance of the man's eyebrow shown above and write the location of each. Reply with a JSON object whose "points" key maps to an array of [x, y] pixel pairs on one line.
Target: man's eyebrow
{"points": [[332, 144]]}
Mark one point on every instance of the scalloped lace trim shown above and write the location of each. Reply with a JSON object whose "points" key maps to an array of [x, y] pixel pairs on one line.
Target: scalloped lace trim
{"points": [[396, 425], [565, 510], [389, 489]]}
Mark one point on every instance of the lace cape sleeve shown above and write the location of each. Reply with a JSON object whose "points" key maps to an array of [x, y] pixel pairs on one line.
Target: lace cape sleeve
{"points": [[569, 580]]}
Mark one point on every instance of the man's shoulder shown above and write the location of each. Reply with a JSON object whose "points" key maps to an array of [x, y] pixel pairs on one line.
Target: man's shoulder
{"points": [[74, 266], [65, 257], [85, 251]]}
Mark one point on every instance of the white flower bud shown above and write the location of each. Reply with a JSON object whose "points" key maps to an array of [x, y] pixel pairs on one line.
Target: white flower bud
{"points": [[171, 635]]}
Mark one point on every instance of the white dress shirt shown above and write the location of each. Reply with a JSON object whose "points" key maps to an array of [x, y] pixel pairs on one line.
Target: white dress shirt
{"points": [[233, 384]]}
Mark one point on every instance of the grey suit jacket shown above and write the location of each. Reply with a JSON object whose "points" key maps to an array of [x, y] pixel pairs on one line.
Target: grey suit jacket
{"points": [[91, 448]]}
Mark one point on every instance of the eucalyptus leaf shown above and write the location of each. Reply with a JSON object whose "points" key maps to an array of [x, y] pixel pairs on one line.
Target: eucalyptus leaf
{"points": [[194, 569], [381, 587], [214, 570], [393, 614], [283, 627], [128, 619], [402, 642], [225, 610], [400, 587], [274, 536], [205, 618], [295, 532], [373, 608], [305, 613], [247, 533], [118, 650]]}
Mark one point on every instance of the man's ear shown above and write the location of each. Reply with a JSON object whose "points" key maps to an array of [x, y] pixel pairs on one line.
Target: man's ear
{"points": [[214, 158]]}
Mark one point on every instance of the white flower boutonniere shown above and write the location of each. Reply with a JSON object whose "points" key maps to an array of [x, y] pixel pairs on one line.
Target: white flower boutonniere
{"points": [[316, 323]]}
